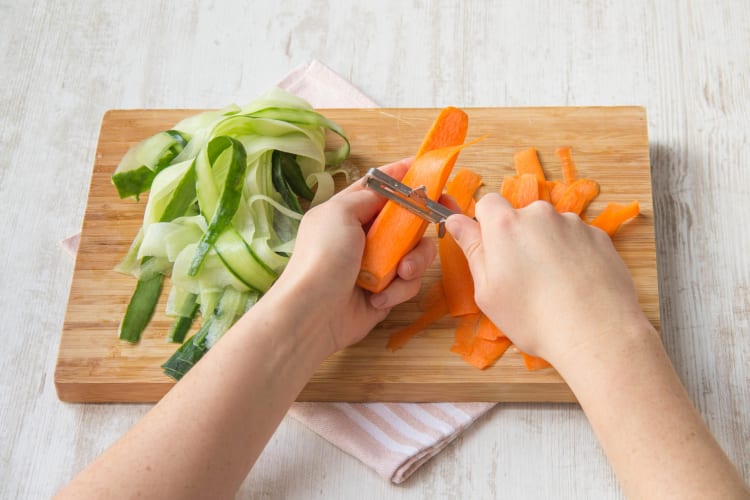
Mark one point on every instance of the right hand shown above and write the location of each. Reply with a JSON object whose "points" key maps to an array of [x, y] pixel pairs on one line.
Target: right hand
{"points": [[550, 281]]}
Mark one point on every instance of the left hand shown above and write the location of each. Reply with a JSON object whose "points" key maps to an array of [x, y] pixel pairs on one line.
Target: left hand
{"points": [[322, 273]]}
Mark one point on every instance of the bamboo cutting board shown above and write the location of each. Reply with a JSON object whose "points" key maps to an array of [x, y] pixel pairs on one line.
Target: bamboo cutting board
{"points": [[610, 145]]}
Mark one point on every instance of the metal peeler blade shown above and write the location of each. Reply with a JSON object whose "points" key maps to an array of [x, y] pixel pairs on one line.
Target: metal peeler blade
{"points": [[415, 200]]}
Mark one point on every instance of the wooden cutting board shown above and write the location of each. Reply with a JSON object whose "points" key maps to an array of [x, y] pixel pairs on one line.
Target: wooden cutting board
{"points": [[610, 145]]}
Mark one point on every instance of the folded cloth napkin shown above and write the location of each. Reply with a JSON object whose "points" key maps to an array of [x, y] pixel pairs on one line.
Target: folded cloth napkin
{"points": [[394, 439]]}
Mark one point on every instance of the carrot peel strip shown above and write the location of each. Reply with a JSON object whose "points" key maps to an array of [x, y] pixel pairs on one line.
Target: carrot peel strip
{"points": [[458, 283], [527, 191], [578, 196], [614, 215], [527, 162], [534, 363], [485, 352], [568, 167], [487, 330], [399, 338], [464, 334]]}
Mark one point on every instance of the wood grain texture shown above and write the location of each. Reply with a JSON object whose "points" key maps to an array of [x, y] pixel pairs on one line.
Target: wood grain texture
{"points": [[66, 63], [609, 144]]}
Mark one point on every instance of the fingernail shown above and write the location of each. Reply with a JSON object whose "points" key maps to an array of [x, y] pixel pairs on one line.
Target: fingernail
{"points": [[378, 300]]}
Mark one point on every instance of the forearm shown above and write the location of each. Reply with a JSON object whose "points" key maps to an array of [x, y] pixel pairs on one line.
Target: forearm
{"points": [[207, 432], [650, 431]]}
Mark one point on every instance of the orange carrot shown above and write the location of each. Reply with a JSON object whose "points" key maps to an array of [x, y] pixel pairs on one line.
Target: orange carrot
{"points": [[456, 276], [449, 129], [432, 295], [578, 196], [471, 208], [614, 215], [568, 167], [400, 337], [556, 191], [534, 363], [487, 330], [396, 230], [457, 281], [464, 334], [485, 352], [527, 191], [509, 186], [527, 162], [462, 187], [544, 193]]}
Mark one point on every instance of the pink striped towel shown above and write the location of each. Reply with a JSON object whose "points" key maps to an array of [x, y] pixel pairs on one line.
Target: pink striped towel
{"points": [[394, 439]]}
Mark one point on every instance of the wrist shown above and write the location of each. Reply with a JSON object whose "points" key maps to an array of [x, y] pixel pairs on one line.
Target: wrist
{"points": [[605, 347], [295, 321]]}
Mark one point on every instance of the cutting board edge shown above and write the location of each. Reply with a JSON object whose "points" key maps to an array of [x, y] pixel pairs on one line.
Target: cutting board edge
{"points": [[152, 392]]}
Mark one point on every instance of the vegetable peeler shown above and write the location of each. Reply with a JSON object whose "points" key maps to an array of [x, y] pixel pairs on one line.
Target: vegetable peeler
{"points": [[414, 200]]}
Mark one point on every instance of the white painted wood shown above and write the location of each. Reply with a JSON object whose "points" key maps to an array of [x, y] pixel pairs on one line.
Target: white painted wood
{"points": [[63, 64]]}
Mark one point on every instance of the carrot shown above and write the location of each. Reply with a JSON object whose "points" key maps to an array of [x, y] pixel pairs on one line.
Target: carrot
{"points": [[534, 363], [457, 281], [613, 216], [556, 191], [510, 183], [487, 330], [527, 162], [432, 295], [456, 276], [544, 193], [395, 231], [568, 167], [485, 352], [527, 191], [578, 196], [464, 334], [434, 312], [449, 129], [462, 187]]}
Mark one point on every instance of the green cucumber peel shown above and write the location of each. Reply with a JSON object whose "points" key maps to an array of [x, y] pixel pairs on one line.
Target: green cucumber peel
{"points": [[229, 199], [281, 184], [293, 175], [311, 118], [181, 325], [135, 173], [232, 223], [141, 308]]}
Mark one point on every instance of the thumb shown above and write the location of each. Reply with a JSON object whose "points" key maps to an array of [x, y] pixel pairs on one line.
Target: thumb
{"points": [[468, 235]]}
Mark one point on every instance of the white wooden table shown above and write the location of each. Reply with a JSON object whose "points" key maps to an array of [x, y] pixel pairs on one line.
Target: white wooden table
{"points": [[62, 64]]}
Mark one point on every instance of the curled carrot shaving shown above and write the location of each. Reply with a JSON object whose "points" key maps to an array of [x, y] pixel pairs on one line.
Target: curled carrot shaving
{"points": [[534, 363], [527, 191], [399, 338], [448, 129], [614, 215], [464, 334], [568, 167], [485, 352], [556, 191], [510, 183], [487, 330], [527, 162], [578, 196], [457, 281]]}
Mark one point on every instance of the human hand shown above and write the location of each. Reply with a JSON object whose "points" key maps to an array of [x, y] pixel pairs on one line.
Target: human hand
{"points": [[548, 280], [322, 272]]}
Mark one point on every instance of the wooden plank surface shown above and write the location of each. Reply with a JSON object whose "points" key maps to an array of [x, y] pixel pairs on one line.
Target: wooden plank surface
{"points": [[609, 144]]}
